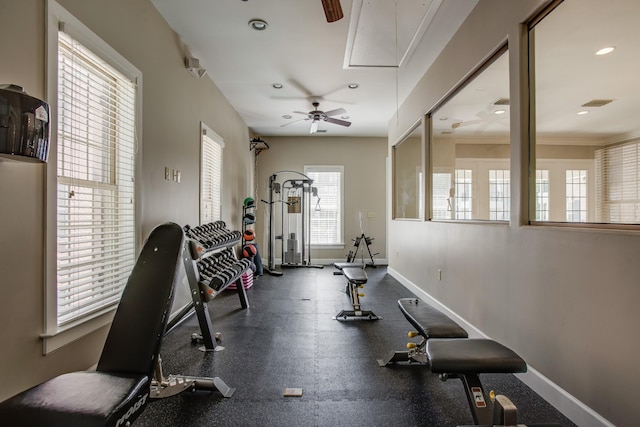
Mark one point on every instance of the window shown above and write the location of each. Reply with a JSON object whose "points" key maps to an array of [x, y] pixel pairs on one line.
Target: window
{"points": [[618, 168], [210, 175], [462, 194], [469, 141], [499, 195], [542, 195], [576, 194], [96, 94], [326, 218], [442, 197], [585, 123]]}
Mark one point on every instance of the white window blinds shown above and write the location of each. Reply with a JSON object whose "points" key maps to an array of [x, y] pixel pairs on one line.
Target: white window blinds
{"points": [[210, 176], [618, 191], [442, 196], [96, 142], [326, 227]]}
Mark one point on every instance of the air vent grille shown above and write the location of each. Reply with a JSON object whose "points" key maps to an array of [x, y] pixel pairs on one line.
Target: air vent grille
{"points": [[597, 103]]}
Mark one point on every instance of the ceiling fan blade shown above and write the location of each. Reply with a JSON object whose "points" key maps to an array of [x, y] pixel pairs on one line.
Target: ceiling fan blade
{"points": [[300, 112], [314, 127], [456, 125], [332, 10], [295, 83], [337, 121], [336, 112], [295, 121]]}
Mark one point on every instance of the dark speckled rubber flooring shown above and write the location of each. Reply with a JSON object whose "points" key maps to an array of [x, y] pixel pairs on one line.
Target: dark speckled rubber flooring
{"points": [[288, 339]]}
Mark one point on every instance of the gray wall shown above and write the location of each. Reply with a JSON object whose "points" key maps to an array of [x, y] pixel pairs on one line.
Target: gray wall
{"points": [[563, 298], [364, 161], [174, 103]]}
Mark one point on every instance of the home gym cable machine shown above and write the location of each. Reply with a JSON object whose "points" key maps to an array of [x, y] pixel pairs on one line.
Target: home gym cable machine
{"points": [[292, 200]]}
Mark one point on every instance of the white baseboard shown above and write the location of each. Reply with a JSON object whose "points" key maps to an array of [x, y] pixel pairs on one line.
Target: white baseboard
{"points": [[277, 261], [564, 402]]}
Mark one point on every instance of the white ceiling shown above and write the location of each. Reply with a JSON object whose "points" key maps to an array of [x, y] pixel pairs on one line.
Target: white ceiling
{"points": [[313, 59]]}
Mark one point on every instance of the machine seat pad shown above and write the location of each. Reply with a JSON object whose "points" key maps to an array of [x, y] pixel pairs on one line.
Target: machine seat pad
{"points": [[342, 265], [428, 321], [355, 275], [78, 398], [472, 356]]}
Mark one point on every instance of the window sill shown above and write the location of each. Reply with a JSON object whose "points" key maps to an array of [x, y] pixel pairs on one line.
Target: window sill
{"points": [[331, 246], [67, 334]]}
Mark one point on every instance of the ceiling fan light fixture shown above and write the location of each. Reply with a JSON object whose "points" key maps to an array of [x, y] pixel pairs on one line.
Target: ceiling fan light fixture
{"points": [[258, 24]]}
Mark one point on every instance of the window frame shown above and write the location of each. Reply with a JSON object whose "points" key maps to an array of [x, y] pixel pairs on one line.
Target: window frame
{"points": [[55, 336], [594, 189], [460, 163]]}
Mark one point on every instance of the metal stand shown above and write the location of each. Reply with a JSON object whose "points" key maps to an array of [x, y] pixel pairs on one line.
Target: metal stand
{"points": [[351, 257]]}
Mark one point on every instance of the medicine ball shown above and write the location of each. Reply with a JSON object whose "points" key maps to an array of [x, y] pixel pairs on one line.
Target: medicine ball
{"points": [[249, 251], [249, 218], [248, 235]]}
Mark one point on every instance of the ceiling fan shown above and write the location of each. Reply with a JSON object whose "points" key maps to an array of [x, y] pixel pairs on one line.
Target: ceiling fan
{"points": [[316, 116], [332, 10]]}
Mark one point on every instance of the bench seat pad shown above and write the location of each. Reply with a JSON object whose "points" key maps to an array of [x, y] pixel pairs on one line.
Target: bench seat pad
{"points": [[355, 275], [472, 356], [430, 322], [341, 265], [76, 399]]}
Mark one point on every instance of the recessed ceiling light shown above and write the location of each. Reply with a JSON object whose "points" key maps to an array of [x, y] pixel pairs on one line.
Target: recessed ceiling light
{"points": [[443, 118], [277, 85], [286, 116], [353, 85], [605, 50], [258, 24], [498, 112], [344, 117], [583, 112]]}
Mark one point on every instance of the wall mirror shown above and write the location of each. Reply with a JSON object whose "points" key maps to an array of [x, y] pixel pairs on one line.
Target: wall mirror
{"points": [[470, 151]]}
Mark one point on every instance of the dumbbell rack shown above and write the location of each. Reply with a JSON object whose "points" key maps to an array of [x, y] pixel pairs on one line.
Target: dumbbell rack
{"points": [[212, 267]]}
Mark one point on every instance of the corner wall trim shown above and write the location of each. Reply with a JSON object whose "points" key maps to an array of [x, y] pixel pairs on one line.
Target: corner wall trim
{"points": [[564, 402]]}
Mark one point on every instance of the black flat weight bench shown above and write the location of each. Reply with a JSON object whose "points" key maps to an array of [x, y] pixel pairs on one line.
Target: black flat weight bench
{"points": [[356, 277], [429, 323]]}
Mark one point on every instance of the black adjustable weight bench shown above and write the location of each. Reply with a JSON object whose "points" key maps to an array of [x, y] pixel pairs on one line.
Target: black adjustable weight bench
{"points": [[447, 350], [429, 323], [117, 392]]}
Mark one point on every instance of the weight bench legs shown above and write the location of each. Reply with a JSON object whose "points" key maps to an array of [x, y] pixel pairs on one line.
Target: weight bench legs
{"points": [[162, 386], [357, 313], [414, 355]]}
